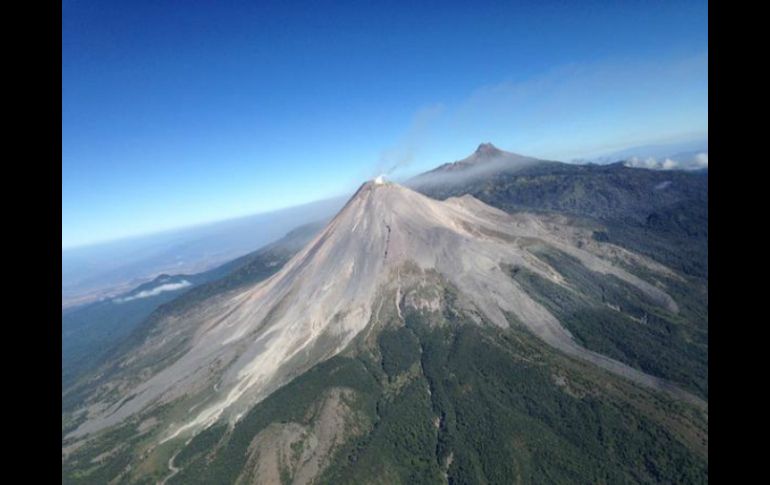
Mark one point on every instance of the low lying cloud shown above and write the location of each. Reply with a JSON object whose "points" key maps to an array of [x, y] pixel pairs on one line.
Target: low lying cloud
{"points": [[472, 168], [701, 160], [155, 291]]}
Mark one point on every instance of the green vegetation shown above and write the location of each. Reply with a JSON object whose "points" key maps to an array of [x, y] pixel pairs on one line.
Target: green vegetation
{"points": [[400, 349], [611, 317], [290, 403], [504, 420], [89, 332], [486, 405], [203, 442], [102, 459]]}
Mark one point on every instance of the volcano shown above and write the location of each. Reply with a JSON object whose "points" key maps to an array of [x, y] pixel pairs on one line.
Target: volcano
{"points": [[390, 252], [325, 296]]}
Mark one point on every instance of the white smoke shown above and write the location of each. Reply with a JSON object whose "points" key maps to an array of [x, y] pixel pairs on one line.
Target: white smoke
{"points": [[403, 153]]}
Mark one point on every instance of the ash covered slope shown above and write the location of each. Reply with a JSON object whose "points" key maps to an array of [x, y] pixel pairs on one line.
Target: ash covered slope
{"points": [[239, 349]]}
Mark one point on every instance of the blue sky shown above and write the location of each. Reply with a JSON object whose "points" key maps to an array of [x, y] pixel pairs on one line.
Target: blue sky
{"points": [[182, 112]]}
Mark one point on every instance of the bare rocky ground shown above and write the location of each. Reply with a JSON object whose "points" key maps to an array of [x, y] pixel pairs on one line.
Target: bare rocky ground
{"points": [[302, 451]]}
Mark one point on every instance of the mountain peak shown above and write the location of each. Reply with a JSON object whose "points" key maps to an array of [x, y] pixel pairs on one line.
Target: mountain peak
{"points": [[485, 160], [370, 185], [377, 189], [487, 149]]}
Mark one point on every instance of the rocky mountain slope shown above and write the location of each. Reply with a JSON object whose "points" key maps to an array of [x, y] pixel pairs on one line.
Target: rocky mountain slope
{"points": [[661, 214], [390, 306]]}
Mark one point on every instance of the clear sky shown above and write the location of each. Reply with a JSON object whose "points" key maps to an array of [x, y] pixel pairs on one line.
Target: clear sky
{"points": [[181, 112]]}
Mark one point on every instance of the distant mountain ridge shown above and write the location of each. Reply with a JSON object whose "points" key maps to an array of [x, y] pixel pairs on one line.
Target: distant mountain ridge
{"points": [[680, 151], [485, 153], [486, 161], [655, 212]]}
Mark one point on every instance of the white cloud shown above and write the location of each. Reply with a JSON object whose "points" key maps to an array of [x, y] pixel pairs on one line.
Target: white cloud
{"points": [[701, 160], [649, 162], [669, 164], [155, 291]]}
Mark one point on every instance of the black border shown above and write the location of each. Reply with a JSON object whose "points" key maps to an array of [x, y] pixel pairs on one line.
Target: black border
{"points": [[34, 358]]}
